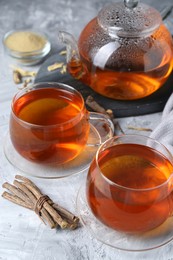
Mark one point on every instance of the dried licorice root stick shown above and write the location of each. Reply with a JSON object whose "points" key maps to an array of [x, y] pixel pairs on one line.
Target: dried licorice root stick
{"points": [[70, 217], [15, 199], [94, 105], [25, 193], [22, 196], [139, 128], [67, 214], [43, 214], [32, 187], [17, 192]]}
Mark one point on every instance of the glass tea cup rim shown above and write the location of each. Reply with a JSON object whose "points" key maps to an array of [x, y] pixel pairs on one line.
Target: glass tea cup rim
{"points": [[53, 85], [128, 188]]}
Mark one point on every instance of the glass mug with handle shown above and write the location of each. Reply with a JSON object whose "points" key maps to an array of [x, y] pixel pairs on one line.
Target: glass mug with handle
{"points": [[49, 123], [130, 184]]}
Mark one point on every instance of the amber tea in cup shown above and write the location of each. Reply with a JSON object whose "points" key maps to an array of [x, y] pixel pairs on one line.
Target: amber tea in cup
{"points": [[129, 184], [49, 123]]}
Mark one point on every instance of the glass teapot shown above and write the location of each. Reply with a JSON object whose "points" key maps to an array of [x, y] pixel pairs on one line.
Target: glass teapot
{"points": [[124, 53]]}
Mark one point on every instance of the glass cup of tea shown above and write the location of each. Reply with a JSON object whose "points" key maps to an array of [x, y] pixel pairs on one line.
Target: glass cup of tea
{"points": [[49, 123], [129, 184]]}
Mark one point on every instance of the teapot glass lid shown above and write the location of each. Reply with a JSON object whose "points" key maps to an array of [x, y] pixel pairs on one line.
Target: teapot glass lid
{"points": [[129, 19]]}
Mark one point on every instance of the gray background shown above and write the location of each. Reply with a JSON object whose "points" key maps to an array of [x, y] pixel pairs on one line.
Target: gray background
{"points": [[53, 15]]}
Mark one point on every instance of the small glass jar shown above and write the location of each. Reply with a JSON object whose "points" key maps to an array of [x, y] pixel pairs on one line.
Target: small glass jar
{"points": [[26, 47]]}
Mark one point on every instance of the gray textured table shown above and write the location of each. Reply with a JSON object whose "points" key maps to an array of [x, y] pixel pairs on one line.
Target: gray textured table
{"points": [[22, 235]]}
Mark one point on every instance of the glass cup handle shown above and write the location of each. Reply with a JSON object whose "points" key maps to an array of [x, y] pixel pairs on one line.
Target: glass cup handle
{"points": [[101, 129]]}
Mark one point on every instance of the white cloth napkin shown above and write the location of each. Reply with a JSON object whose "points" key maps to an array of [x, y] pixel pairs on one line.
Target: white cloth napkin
{"points": [[164, 131]]}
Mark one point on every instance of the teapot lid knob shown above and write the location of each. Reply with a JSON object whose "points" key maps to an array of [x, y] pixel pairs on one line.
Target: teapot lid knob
{"points": [[130, 3]]}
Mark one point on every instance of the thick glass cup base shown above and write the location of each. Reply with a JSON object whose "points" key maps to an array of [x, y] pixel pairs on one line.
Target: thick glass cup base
{"points": [[119, 240], [49, 171]]}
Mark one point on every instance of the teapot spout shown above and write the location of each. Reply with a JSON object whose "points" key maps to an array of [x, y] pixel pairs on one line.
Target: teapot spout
{"points": [[71, 46], [74, 64]]}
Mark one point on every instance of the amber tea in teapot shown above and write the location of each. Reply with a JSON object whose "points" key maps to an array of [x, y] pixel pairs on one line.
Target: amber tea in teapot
{"points": [[124, 53]]}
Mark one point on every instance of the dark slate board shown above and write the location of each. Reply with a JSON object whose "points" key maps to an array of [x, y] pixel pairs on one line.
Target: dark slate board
{"points": [[151, 104]]}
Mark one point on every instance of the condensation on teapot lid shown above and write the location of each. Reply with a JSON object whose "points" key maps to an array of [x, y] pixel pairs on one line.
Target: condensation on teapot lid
{"points": [[129, 19]]}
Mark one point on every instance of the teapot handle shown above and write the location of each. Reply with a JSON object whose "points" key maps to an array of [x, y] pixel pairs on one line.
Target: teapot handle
{"points": [[130, 3], [102, 126]]}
